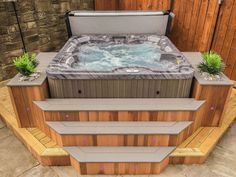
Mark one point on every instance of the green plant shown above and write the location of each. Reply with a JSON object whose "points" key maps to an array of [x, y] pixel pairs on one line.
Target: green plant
{"points": [[212, 63], [26, 64]]}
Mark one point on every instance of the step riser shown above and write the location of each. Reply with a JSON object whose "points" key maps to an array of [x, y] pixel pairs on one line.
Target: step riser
{"points": [[189, 160], [119, 168], [120, 116], [120, 140]]}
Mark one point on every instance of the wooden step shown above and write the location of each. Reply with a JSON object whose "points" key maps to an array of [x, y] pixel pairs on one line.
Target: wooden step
{"points": [[134, 104], [119, 160], [94, 128], [119, 133]]}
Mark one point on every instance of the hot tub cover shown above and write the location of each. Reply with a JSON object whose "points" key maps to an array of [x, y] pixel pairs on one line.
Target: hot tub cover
{"points": [[119, 57]]}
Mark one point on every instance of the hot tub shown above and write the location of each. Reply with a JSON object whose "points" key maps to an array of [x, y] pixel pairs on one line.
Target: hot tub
{"points": [[119, 66]]}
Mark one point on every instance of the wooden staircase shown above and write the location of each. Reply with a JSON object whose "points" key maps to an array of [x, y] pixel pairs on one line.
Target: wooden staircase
{"points": [[119, 136]]}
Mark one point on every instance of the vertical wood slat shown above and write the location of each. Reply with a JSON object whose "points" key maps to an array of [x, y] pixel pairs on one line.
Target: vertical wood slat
{"points": [[204, 27], [201, 23], [106, 5], [216, 97], [153, 4], [132, 4], [154, 140], [224, 41], [136, 88], [127, 4], [22, 97], [120, 116], [194, 24], [121, 168]]}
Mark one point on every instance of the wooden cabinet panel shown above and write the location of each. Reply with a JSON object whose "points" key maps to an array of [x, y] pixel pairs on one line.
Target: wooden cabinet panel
{"points": [[22, 98], [210, 114]]}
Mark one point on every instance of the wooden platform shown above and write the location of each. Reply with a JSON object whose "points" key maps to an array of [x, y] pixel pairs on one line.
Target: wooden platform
{"points": [[193, 150]]}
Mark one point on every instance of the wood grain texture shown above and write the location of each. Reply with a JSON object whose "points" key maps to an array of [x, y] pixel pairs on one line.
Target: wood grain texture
{"points": [[120, 140], [106, 4], [127, 4], [188, 160], [120, 116], [22, 98], [119, 168], [194, 24], [153, 4], [224, 41], [211, 112], [132, 4]]}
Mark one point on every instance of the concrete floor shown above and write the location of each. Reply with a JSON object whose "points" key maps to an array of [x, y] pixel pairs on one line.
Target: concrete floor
{"points": [[16, 161]]}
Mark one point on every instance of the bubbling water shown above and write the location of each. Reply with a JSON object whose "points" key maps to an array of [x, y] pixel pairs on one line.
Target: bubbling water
{"points": [[109, 56]]}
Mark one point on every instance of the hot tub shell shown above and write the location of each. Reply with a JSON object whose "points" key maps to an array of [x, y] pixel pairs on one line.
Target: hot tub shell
{"points": [[67, 82]]}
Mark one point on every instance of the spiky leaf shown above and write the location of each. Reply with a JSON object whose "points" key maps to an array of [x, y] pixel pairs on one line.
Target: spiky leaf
{"points": [[26, 64], [212, 63]]}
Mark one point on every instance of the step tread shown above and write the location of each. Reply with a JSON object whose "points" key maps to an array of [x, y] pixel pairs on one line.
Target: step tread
{"points": [[119, 154], [134, 104], [155, 127]]}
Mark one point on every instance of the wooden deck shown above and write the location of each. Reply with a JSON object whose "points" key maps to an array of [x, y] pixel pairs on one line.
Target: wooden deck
{"points": [[193, 150]]}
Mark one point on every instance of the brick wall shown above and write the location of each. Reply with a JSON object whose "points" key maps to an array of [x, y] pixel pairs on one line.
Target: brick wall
{"points": [[42, 25]]}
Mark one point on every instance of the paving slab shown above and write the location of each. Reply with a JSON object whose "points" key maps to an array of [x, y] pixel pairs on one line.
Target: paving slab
{"points": [[39, 171], [65, 171], [5, 132], [223, 159], [198, 171], [1, 124], [171, 171], [15, 158]]}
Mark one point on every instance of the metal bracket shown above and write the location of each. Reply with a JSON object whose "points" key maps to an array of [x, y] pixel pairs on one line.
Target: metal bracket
{"points": [[169, 24], [67, 21]]}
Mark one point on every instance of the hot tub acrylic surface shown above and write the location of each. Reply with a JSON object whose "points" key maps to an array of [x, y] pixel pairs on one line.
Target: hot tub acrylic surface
{"points": [[119, 66]]}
